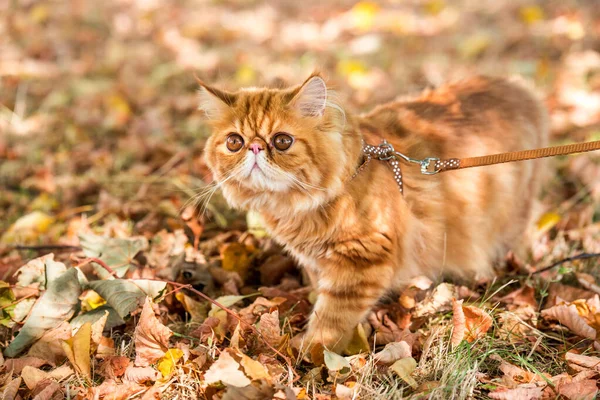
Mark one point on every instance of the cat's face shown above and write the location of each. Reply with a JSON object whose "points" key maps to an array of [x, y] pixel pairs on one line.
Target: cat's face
{"points": [[273, 144]]}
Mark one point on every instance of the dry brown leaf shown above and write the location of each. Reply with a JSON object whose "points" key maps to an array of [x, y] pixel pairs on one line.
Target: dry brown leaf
{"points": [[253, 368], [151, 337], [392, 352], [568, 316], [16, 365], [517, 323], [32, 376], [49, 346], [565, 292], [469, 323], [584, 361], [115, 366], [106, 348], [77, 350], [61, 373], [269, 328], [47, 390], [438, 300], [459, 323], [110, 390], [581, 390], [523, 392], [521, 297], [140, 374], [10, 390], [226, 370]]}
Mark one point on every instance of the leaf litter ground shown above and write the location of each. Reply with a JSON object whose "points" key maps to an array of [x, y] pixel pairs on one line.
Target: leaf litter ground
{"points": [[124, 274]]}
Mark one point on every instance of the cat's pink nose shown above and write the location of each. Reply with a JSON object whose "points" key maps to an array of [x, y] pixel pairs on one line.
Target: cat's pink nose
{"points": [[256, 147]]}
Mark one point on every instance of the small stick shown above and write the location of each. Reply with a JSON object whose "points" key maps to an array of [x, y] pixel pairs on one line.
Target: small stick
{"points": [[582, 256], [63, 247], [99, 262]]}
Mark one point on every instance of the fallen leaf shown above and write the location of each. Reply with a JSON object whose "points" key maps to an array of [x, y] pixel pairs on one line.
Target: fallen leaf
{"points": [[166, 365], [437, 301], [32, 376], [126, 295], [469, 322], [151, 337], [404, 368], [338, 366], [11, 389], [141, 374], [110, 390], [582, 360], [269, 328], [57, 304], [49, 346], [359, 342], [568, 316], [117, 253], [237, 257], [16, 365], [47, 390], [254, 369], [521, 297], [226, 370], [27, 229], [114, 367], [523, 392], [348, 391], [77, 350], [393, 352], [581, 390]]}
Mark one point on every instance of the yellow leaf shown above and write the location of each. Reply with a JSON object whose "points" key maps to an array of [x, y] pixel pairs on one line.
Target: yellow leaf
{"points": [[77, 349], [404, 368], [531, 14], [434, 7], [28, 228], [363, 14], [166, 365], [548, 221], [359, 342], [237, 258], [255, 224], [253, 369], [196, 309], [91, 300]]}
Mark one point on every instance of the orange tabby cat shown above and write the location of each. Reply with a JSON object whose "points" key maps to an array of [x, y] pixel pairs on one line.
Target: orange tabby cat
{"points": [[292, 155]]}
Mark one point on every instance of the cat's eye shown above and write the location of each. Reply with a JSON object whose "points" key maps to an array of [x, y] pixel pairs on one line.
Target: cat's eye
{"points": [[235, 142], [282, 141]]}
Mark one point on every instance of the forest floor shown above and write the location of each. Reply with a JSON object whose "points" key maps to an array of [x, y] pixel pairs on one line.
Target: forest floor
{"points": [[101, 159]]}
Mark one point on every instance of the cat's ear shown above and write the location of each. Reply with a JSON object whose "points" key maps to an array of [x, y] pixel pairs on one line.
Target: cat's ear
{"points": [[214, 102], [311, 98]]}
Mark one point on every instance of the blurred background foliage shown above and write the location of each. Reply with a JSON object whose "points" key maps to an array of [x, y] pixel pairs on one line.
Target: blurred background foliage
{"points": [[98, 107]]}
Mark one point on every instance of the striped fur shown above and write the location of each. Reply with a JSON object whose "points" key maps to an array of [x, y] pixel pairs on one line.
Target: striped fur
{"points": [[360, 238]]}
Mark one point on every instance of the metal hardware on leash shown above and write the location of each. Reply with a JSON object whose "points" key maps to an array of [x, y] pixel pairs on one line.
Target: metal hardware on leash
{"points": [[385, 152]]}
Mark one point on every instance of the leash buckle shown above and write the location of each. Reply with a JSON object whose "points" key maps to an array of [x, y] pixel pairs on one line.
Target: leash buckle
{"points": [[430, 165]]}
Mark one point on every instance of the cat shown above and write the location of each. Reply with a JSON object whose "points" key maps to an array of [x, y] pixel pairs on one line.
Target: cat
{"points": [[296, 157]]}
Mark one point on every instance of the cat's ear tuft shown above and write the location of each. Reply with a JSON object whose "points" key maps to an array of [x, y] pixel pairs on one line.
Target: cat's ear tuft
{"points": [[311, 99], [214, 102]]}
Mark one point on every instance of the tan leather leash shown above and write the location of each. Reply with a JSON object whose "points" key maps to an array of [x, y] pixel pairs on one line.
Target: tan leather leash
{"points": [[433, 165]]}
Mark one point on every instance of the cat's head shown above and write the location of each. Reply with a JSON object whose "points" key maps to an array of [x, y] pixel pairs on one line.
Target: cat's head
{"points": [[281, 150]]}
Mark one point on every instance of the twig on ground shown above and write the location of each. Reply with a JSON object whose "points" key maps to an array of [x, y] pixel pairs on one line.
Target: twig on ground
{"points": [[58, 247], [99, 262], [582, 256]]}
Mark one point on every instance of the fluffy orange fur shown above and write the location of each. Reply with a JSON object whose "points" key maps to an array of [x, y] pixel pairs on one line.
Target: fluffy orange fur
{"points": [[360, 238]]}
